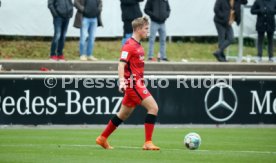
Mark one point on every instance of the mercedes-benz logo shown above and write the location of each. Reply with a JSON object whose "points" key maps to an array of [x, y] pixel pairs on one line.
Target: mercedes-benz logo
{"points": [[221, 103]]}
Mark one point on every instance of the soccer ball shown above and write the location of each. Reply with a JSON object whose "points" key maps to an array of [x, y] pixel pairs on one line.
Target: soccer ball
{"points": [[192, 141]]}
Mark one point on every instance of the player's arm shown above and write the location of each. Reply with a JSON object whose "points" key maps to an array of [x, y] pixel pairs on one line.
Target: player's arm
{"points": [[124, 60], [121, 72]]}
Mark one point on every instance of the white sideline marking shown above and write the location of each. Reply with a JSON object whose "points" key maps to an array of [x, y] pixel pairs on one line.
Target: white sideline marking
{"points": [[129, 147], [173, 77]]}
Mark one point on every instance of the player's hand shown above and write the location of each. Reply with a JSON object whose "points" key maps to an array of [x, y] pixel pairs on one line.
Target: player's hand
{"points": [[122, 86]]}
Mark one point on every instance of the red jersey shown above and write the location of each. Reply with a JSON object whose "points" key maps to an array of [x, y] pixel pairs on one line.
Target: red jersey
{"points": [[133, 55]]}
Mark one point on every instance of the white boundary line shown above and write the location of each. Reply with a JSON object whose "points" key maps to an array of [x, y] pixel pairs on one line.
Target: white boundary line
{"points": [[134, 148], [170, 77], [126, 126]]}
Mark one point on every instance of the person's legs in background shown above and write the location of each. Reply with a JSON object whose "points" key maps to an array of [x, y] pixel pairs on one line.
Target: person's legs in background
{"points": [[83, 37], [57, 33], [127, 31], [162, 39], [229, 39], [153, 30], [222, 32], [126, 37], [270, 46], [93, 23], [260, 46], [64, 27]]}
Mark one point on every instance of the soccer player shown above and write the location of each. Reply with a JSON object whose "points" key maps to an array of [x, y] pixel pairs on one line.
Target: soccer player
{"points": [[131, 76]]}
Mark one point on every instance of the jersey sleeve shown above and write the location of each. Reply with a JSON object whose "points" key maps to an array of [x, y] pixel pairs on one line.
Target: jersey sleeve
{"points": [[126, 54]]}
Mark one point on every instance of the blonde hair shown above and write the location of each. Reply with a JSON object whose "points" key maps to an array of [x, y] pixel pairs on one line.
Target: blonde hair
{"points": [[139, 23]]}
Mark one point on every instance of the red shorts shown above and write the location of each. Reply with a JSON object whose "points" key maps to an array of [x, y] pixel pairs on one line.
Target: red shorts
{"points": [[134, 96]]}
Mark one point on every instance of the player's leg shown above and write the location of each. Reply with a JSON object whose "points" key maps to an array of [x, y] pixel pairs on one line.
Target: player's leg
{"points": [[122, 115], [125, 112], [152, 110]]}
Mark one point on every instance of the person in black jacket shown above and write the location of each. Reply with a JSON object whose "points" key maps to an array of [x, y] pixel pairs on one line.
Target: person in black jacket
{"points": [[265, 11], [226, 13], [130, 11], [158, 11], [62, 11]]}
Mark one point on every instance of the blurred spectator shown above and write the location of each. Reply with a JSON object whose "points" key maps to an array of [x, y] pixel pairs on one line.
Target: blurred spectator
{"points": [[88, 17], [62, 11], [226, 13], [130, 11], [158, 11], [265, 11]]}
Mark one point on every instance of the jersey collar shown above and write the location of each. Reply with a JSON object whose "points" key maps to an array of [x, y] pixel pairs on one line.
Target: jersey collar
{"points": [[136, 41]]}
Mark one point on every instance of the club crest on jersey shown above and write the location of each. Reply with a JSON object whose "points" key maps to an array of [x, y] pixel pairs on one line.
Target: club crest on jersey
{"points": [[124, 55], [142, 57], [145, 92]]}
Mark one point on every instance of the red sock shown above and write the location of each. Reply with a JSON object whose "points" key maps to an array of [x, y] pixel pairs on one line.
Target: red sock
{"points": [[109, 129], [148, 131]]}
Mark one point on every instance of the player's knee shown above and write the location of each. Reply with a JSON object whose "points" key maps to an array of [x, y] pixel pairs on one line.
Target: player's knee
{"points": [[154, 110], [123, 115], [127, 115]]}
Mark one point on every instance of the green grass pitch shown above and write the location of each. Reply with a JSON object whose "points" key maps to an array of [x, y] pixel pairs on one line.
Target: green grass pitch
{"points": [[219, 145]]}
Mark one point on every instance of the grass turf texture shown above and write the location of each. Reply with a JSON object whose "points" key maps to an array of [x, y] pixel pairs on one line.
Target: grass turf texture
{"points": [[110, 50], [78, 145]]}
